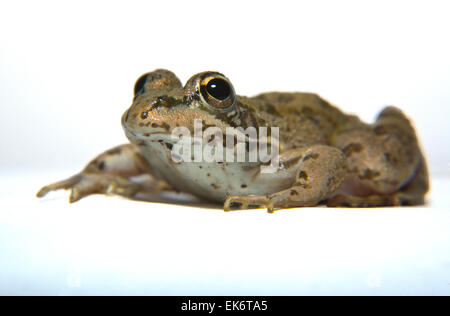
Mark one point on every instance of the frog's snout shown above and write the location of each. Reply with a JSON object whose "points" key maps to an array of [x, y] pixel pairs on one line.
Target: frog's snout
{"points": [[143, 122]]}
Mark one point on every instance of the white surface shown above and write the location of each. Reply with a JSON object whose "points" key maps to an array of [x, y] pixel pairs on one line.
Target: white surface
{"points": [[108, 245], [67, 73]]}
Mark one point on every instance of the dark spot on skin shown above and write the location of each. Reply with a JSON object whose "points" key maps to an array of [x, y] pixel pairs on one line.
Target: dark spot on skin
{"points": [[244, 186], [311, 156], [164, 101], [291, 162], [381, 130], [285, 98], [272, 109], [248, 168], [201, 167], [369, 174], [114, 151], [144, 115], [332, 183], [102, 165], [169, 146], [352, 148], [208, 174], [215, 186], [303, 175], [293, 192], [147, 135], [306, 110], [154, 76], [165, 126], [390, 158], [205, 126]]}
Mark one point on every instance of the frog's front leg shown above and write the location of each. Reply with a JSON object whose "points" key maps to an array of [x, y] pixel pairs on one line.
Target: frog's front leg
{"points": [[110, 173], [317, 173]]}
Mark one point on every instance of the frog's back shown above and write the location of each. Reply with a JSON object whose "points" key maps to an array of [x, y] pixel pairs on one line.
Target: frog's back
{"points": [[303, 118]]}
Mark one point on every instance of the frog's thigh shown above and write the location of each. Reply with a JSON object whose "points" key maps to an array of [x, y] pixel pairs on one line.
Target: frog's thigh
{"points": [[110, 173], [385, 164], [412, 194], [317, 172]]}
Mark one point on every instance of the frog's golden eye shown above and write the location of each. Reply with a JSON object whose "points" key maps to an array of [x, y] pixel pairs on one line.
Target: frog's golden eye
{"points": [[217, 91]]}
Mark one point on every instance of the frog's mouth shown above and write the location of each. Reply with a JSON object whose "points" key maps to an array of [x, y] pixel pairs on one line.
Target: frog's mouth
{"points": [[149, 131], [139, 137]]}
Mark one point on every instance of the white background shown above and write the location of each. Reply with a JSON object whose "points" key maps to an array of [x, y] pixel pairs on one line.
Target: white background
{"points": [[67, 73]]}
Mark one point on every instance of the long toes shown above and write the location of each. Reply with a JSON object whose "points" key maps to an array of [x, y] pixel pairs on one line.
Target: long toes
{"points": [[86, 184], [80, 191], [65, 184], [43, 191], [75, 195], [245, 202]]}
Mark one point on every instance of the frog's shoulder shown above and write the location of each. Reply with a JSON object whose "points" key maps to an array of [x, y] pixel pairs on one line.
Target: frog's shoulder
{"points": [[283, 98], [306, 104], [304, 117]]}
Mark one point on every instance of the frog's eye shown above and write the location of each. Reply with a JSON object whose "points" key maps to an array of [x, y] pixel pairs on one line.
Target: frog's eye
{"points": [[217, 91], [160, 79], [140, 84]]}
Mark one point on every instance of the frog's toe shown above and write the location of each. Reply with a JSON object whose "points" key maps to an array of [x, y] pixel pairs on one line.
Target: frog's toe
{"points": [[234, 203], [85, 184], [65, 184]]}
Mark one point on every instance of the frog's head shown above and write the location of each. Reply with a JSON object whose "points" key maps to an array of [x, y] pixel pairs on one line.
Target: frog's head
{"points": [[161, 104]]}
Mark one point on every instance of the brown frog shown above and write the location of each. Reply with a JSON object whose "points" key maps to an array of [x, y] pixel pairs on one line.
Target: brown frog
{"points": [[325, 156]]}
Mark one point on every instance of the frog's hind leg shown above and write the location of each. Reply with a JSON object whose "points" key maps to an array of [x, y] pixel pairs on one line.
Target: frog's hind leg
{"points": [[384, 162], [317, 172], [411, 194], [112, 172]]}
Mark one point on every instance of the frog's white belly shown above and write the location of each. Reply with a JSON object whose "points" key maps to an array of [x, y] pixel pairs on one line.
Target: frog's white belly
{"points": [[214, 181]]}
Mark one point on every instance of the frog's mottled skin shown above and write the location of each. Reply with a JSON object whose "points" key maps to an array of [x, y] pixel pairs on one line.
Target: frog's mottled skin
{"points": [[326, 156]]}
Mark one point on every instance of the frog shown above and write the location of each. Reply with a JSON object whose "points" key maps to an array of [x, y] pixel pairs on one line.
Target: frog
{"points": [[325, 156]]}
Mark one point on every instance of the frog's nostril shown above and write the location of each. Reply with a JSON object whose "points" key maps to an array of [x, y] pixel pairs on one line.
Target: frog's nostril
{"points": [[144, 115]]}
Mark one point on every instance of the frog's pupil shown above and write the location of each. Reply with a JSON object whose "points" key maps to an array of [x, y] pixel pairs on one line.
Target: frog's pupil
{"points": [[218, 88]]}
